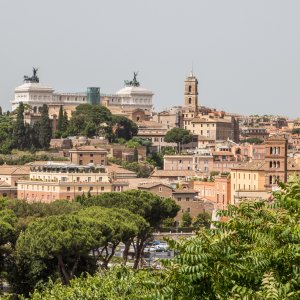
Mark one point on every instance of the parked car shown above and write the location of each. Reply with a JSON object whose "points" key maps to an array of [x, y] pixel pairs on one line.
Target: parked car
{"points": [[162, 247]]}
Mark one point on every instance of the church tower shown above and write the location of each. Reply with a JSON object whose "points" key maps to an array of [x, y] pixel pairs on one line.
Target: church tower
{"points": [[191, 93], [276, 160]]}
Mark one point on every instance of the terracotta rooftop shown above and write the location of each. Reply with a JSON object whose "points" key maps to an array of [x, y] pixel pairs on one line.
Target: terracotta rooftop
{"points": [[150, 185], [261, 165], [87, 148], [14, 170], [185, 191], [173, 173], [276, 137], [222, 153], [118, 169]]}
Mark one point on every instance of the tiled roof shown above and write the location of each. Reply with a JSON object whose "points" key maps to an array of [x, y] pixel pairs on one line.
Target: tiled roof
{"points": [[150, 185], [87, 148], [118, 169], [261, 165], [14, 170], [173, 173], [254, 165], [276, 137], [222, 153], [185, 191]]}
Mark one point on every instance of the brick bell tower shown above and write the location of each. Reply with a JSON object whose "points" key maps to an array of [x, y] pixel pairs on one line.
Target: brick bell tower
{"points": [[276, 160], [191, 93]]}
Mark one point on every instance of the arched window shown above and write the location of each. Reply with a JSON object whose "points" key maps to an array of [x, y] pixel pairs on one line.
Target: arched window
{"points": [[270, 179], [278, 164], [271, 164], [190, 88], [190, 100], [271, 150]]}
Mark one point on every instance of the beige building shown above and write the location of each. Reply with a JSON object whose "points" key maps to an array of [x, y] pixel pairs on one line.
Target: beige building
{"points": [[9, 175], [160, 189], [85, 155], [53, 181], [216, 128], [256, 179], [249, 177]]}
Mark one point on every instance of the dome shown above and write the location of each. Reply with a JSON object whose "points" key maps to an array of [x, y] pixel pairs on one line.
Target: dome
{"points": [[32, 87], [131, 90]]}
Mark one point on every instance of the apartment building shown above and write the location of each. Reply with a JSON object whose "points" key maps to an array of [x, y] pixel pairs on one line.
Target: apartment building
{"points": [[217, 191], [85, 155], [53, 181]]}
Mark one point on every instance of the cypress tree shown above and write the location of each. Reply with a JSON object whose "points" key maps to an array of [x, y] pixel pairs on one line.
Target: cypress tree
{"points": [[45, 131], [19, 132], [1, 111], [135, 154], [65, 122], [60, 119]]}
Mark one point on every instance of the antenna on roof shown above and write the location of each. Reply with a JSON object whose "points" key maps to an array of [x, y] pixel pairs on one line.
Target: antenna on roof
{"points": [[192, 70]]}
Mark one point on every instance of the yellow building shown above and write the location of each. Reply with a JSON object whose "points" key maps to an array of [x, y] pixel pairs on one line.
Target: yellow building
{"points": [[248, 181], [53, 181]]}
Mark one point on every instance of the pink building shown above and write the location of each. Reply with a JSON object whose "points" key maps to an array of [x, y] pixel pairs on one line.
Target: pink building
{"points": [[218, 191]]}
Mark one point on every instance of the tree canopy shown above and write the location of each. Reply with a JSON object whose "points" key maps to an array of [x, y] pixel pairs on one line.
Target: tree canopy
{"points": [[253, 253], [178, 136]]}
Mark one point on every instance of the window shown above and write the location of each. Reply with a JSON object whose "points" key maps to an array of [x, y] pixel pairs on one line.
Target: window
{"points": [[179, 199], [91, 155], [190, 100], [189, 209], [102, 188], [68, 189], [89, 179], [91, 161], [187, 199], [190, 88], [91, 188], [80, 162], [100, 179], [160, 189], [80, 189]]}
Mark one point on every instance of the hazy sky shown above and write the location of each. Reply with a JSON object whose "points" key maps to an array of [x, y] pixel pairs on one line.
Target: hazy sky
{"points": [[245, 53]]}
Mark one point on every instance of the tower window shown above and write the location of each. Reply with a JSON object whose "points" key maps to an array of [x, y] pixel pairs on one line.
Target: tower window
{"points": [[190, 88], [190, 100]]}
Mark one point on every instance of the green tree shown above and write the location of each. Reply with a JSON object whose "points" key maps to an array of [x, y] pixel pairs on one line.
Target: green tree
{"points": [[115, 283], [1, 111], [123, 128], [202, 220], [135, 154], [7, 239], [186, 220], [179, 136], [296, 131], [19, 134], [60, 119], [65, 121], [252, 141], [123, 227], [44, 128], [149, 206], [63, 240]]}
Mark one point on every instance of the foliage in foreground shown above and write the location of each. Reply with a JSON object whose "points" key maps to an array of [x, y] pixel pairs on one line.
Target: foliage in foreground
{"points": [[254, 255], [117, 283]]}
